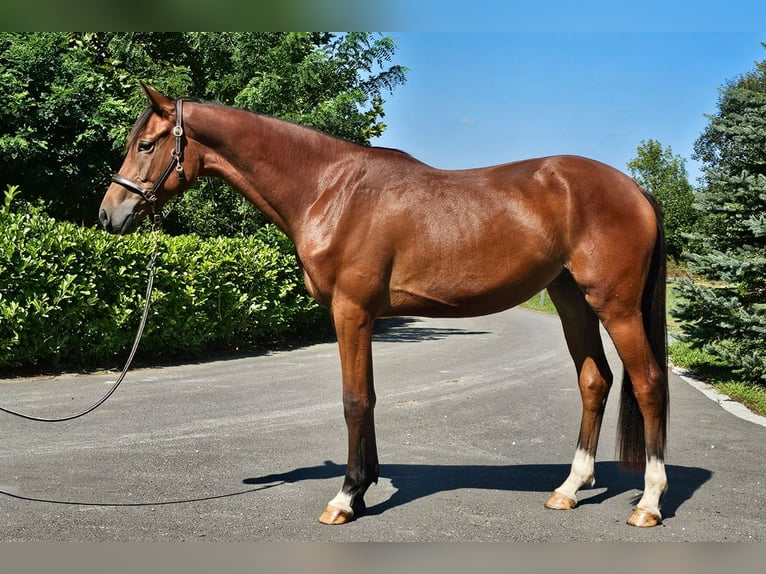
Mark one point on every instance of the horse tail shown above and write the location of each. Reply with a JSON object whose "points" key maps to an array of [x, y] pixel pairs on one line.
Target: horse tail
{"points": [[631, 445]]}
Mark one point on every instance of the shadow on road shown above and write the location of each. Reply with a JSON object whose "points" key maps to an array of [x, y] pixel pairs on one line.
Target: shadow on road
{"points": [[414, 481], [407, 330]]}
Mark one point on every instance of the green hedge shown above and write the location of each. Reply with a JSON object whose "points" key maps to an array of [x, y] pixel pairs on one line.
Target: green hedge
{"points": [[71, 297]]}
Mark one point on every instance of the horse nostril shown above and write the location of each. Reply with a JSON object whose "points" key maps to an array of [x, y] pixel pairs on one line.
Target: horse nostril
{"points": [[103, 217]]}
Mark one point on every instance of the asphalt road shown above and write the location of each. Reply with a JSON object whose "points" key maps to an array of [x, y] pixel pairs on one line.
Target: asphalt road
{"points": [[476, 420]]}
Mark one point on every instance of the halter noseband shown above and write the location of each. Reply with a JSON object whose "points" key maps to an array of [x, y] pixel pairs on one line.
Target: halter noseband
{"points": [[176, 157]]}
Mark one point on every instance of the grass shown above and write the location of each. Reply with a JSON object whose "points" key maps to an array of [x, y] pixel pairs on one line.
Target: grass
{"points": [[540, 302], [701, 364], [716, 373]]}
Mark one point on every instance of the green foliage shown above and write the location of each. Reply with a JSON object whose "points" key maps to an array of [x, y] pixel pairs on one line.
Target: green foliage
{"points": [[71, 297], [724, 309], [35, 79], [66, 104], [212, 209], [663, 174], [68, 101]]}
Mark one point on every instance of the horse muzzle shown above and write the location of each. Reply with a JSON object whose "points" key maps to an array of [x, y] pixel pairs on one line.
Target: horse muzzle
{"points": [[120, 218]]}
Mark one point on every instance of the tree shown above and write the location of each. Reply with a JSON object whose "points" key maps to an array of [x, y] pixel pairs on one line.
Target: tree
{"points": [[68, 100], [65, 106], [663, 174], [725, 308]]}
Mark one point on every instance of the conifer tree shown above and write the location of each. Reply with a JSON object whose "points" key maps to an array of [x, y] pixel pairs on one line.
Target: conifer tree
{"points": [[724, 308]]}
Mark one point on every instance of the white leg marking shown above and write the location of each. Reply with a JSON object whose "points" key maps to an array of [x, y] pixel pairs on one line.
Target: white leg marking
{"points": [[655, 483], [582, 471], [342, 501]]}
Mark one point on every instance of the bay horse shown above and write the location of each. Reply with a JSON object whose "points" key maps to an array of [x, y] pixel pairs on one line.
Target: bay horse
{"points": [[379, 233]]}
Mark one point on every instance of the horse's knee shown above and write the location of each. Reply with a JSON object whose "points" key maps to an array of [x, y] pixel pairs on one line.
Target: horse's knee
{"points": [[356, 408]]}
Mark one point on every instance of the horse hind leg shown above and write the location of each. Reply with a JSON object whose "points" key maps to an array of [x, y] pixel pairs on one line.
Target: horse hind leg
{"points": [[636, 324], [643, 414], [581, 330], [628, 296]]}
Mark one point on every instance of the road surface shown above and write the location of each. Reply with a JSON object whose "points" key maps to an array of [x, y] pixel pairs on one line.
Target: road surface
{"points": [[476, 420]]}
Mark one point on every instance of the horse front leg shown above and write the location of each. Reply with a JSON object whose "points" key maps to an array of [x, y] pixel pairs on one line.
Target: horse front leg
{"points": [[354, 327]]}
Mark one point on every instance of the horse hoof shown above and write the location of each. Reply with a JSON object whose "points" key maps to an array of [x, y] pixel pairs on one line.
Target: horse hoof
{"points": [[558, 501], [333, 515], [644, 519]]}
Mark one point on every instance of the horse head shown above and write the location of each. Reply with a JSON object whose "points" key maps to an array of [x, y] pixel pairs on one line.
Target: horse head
{"points": [[159, 164]]}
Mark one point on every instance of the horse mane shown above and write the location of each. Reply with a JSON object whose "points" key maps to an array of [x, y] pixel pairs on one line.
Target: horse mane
{"points": [[147, 113]]}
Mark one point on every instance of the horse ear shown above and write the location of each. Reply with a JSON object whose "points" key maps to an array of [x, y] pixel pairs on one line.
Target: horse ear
{"points": [[159, 103]]}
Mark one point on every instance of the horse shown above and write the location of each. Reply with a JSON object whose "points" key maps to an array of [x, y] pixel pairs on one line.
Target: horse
{"points": [[380, 234]]}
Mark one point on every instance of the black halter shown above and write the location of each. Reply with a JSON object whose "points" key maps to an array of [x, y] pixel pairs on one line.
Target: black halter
{"points": [[176, 157]]}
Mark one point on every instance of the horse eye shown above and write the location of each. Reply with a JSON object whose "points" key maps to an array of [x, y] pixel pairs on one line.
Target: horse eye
{"points": [[146, 147]]}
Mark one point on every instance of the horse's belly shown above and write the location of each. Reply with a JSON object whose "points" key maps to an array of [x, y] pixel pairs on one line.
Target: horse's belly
{"points": [[467, 290]]}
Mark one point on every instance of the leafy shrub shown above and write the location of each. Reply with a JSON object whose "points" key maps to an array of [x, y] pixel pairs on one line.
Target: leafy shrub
{"points": [[71, 297]]}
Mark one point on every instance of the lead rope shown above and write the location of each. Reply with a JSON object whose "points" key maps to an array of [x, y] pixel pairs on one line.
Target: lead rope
{"points": [[152, 268]]}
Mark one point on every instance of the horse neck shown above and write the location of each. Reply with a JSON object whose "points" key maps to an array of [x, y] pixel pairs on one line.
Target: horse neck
{"points": [[276, 165]]}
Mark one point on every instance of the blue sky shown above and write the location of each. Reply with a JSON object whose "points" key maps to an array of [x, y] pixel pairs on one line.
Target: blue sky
{"points": [[481, 98]]}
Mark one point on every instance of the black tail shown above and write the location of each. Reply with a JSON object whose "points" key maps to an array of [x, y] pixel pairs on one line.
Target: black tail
{"points": [[630, 430]]}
